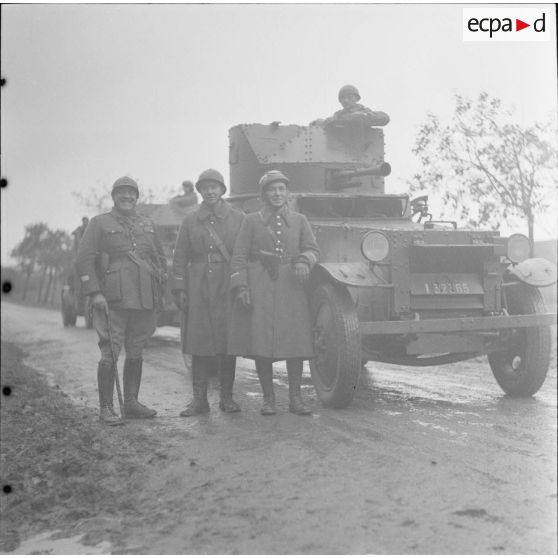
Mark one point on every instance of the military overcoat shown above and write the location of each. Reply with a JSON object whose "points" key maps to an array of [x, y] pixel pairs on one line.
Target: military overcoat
{"points": [[201, 270], [278, 325], [119, 256]]}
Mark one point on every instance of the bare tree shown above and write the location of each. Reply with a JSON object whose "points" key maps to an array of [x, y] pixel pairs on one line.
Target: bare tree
{"points": [[486, 166]]}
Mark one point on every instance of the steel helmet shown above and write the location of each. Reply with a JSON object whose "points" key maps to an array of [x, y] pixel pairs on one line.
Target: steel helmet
{"points": [[211, 174], [125, 181], [270, 177], [347, 90]]}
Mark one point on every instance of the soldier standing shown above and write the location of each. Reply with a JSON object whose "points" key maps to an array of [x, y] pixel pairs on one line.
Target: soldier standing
{"points": [[273, 255], [201, 268], [121, 266]]}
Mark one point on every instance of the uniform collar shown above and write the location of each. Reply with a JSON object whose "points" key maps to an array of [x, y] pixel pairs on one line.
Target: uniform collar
{"points": [[268, 214], [220, 211], [357, 107], [117, 215]]}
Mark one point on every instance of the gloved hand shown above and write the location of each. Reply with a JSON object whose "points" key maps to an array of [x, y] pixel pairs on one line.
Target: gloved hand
{"points": [[99, 302], [302, 272], [181, 300], [243, 298]]}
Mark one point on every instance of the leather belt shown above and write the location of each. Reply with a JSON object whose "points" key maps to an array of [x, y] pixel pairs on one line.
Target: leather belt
{"points": [[282, 258], [210, 257]]}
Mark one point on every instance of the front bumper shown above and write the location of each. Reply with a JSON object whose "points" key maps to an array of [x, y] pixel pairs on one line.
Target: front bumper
{"points": [[446, 325]]}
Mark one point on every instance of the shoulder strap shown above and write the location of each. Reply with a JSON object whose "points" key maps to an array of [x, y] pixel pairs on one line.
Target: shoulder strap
{"points": [[215, 237]]}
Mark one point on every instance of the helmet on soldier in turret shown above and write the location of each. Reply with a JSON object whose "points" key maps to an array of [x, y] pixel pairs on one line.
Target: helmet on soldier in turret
{"points": [[211, 175], [270, 177], [348, 90], [125, 181]]}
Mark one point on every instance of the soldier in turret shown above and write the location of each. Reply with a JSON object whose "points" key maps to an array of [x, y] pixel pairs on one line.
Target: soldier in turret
{"points": [[273, 255], [121, 266], [353, 111], [187, 198], [201, 268]]}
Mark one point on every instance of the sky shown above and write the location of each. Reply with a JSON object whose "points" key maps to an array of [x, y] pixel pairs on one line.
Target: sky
{"points": [[98, 91]]}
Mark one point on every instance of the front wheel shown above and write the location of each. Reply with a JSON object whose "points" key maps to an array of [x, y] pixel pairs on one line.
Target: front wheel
{"points": [[520, 369], [337, 365]]}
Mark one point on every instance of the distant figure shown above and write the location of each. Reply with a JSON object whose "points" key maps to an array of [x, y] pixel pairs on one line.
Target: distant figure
{"points": [[78, 233], [188, 198], [352, 111]]}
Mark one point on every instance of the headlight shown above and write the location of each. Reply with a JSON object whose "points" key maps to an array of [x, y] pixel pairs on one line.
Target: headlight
{"points": [[375, 246], [519, 248]]}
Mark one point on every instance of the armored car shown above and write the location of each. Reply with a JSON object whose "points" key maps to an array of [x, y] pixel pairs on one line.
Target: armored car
{"points": [[393, 284]]}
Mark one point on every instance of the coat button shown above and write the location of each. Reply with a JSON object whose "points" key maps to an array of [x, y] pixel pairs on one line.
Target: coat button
{"points": [[278, 232]]}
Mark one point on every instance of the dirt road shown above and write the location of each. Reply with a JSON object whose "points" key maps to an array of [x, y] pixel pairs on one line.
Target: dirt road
{"points": [[434, 460]]}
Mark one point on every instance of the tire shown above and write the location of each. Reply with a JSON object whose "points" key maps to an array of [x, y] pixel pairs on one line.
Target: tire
{"points": [[87, 313], [72, 317], [69, 315], [336, 368], [520, 369]]}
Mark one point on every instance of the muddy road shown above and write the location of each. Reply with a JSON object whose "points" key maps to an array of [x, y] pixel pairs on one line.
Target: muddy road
{"points": [[434, 460]]}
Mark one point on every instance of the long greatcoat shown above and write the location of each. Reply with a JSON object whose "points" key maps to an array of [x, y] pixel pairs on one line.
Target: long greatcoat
{"points": [[200, 270], [278, 325]]}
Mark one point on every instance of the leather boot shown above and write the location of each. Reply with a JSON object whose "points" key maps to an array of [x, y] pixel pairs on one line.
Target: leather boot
{"points": [[199, 404], [105, 382], [294, 371], [132, 380], [264, 368], [226, 378]]}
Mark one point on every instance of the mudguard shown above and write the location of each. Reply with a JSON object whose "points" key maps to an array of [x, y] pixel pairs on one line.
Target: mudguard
{"points": [[352, 274], [537, 272]]}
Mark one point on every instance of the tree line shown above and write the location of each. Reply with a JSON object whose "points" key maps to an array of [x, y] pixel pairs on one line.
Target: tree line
{"points": [[51, 252], [486, 167]]}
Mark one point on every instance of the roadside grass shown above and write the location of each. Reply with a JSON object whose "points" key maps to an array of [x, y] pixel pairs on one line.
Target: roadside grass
{"points": [[65, 470]]}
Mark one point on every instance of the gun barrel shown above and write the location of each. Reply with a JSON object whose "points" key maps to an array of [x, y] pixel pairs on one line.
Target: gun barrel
{"points": [[380, 170]]}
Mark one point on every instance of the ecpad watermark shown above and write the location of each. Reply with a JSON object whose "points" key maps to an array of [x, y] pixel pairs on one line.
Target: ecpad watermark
{"points": [[507, 24]]}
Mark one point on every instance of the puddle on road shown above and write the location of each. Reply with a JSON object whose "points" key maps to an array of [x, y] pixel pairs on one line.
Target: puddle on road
{"points": [[46, 544]]}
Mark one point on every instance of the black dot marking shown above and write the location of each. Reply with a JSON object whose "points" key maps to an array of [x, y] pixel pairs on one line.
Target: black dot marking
{"points": [[3, 81], [7, 390], [7, 489], [3, 182], [6, 287]]}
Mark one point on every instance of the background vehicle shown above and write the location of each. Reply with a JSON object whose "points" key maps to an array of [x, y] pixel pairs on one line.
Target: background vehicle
{"points": [[74, 303], [168, 218], [394, 285]]}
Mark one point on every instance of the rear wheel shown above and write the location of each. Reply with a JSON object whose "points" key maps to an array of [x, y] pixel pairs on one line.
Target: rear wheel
{"points": [[68, 307], [337, 365], [88, 313], [520, 369]]}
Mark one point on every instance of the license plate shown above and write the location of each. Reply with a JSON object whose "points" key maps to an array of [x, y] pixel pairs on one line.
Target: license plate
{"points": [[445, 284], [444, 288]]}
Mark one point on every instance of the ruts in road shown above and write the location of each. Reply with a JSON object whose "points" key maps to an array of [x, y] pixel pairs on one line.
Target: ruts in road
{"points": [[433, 460]]}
